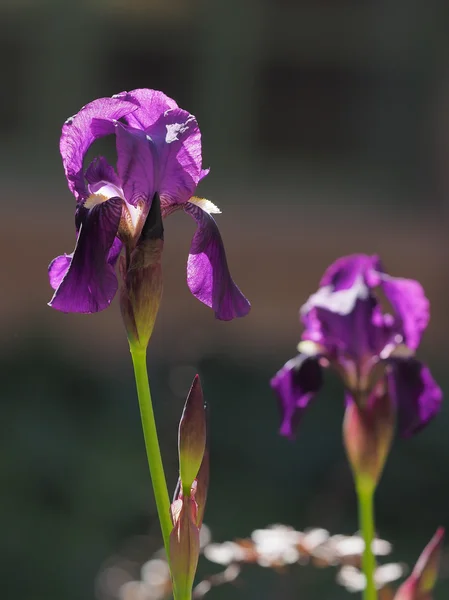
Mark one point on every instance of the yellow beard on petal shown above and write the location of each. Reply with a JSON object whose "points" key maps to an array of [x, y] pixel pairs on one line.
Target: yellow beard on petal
{"points": [[95, 199], [205, 204]]}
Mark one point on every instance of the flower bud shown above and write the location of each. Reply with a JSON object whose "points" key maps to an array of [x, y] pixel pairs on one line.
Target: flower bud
{"points": [[192, 436], [184, 545], [421, 582], [368, 433], [141, 272]]}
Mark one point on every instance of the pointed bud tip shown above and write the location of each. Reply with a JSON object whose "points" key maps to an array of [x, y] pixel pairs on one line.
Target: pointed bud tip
{"points": [[420, 583], [192, 435]]}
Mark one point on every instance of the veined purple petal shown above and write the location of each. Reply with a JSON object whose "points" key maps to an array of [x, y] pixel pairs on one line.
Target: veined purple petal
{"points": [[58, 268], [295, 385], [152, 104], [77, 135], [344, 272], [100, 173], [410, 304], [114, 252], [178, 140], [90, 283], [137, 164], [416, 394], [208, 274]]}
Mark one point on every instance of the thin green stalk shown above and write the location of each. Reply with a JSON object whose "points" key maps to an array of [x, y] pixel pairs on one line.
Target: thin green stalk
{"points": [[152, 444], [365, 495]]}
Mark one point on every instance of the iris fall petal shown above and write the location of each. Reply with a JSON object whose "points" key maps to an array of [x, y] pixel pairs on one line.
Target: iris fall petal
{"points": [[295, 386], [208, 274], [90, 282], [416, 394]]}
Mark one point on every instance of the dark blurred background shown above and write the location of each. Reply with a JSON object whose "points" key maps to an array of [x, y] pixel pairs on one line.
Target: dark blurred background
{"points": [[326, 126]]}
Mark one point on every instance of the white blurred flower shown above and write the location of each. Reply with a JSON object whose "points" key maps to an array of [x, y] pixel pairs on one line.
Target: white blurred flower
{"points": [[354, 580]]}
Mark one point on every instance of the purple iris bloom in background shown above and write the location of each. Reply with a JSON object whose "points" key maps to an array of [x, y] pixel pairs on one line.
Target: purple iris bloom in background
{"points": [[346, 328], [158, 160]]}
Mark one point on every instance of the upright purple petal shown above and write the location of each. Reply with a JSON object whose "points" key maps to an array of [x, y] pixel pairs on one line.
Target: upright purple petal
{"points": [[152, 104], [411, 306], [295, 386], [90, 283], [416, 394], [208, 275], [343, 273], [178, 139], [77, 135], [137, 165], [347, 321]]}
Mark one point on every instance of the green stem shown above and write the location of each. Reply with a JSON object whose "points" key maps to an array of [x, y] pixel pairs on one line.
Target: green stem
{"points": [[152, 444], [365, 495]]}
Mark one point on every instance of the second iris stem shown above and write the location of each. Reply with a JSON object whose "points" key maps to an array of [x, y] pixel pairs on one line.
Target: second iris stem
{"points": [[152, 444], [365, 495]]}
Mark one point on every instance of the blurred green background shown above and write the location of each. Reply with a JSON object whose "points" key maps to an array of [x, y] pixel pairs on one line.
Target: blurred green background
{"points": [[326, 126]]}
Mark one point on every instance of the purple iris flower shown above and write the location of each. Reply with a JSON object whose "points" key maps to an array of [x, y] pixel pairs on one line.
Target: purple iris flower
{"points": [[346, 328], [158, 160]]}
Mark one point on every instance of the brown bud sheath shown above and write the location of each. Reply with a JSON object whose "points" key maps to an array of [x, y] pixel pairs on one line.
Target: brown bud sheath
{"points": [[367, 434], [421, 582], [184, 545], [141, 272]]}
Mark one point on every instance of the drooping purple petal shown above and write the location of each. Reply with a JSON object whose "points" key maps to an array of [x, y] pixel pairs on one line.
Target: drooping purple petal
{"points": [[90, 283], [178, 140], [295, 386], [208, 274], [345, 271], [410, 304], [416, 394], [77, 135], [152, 104], [137, 165], [58, 268], [114, 252]]}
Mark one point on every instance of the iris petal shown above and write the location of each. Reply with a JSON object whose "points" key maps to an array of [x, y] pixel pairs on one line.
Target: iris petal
{"points": [[344, 272], [90, 282], [100, 173], [295, 385], [152, 104], [178, 140], [410, 305], [77, 135], [58, 268], [137, 165], [416, 394], [208, 275]]}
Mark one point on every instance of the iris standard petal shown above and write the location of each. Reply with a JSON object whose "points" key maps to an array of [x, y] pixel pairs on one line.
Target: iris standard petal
{"points": [[178, 140], [90, 283], [152, 104], [208, 274], [347, 320], [416, 394], [295, 385], [77, 135], [137, 165], [410, 305], [345, 271]]}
